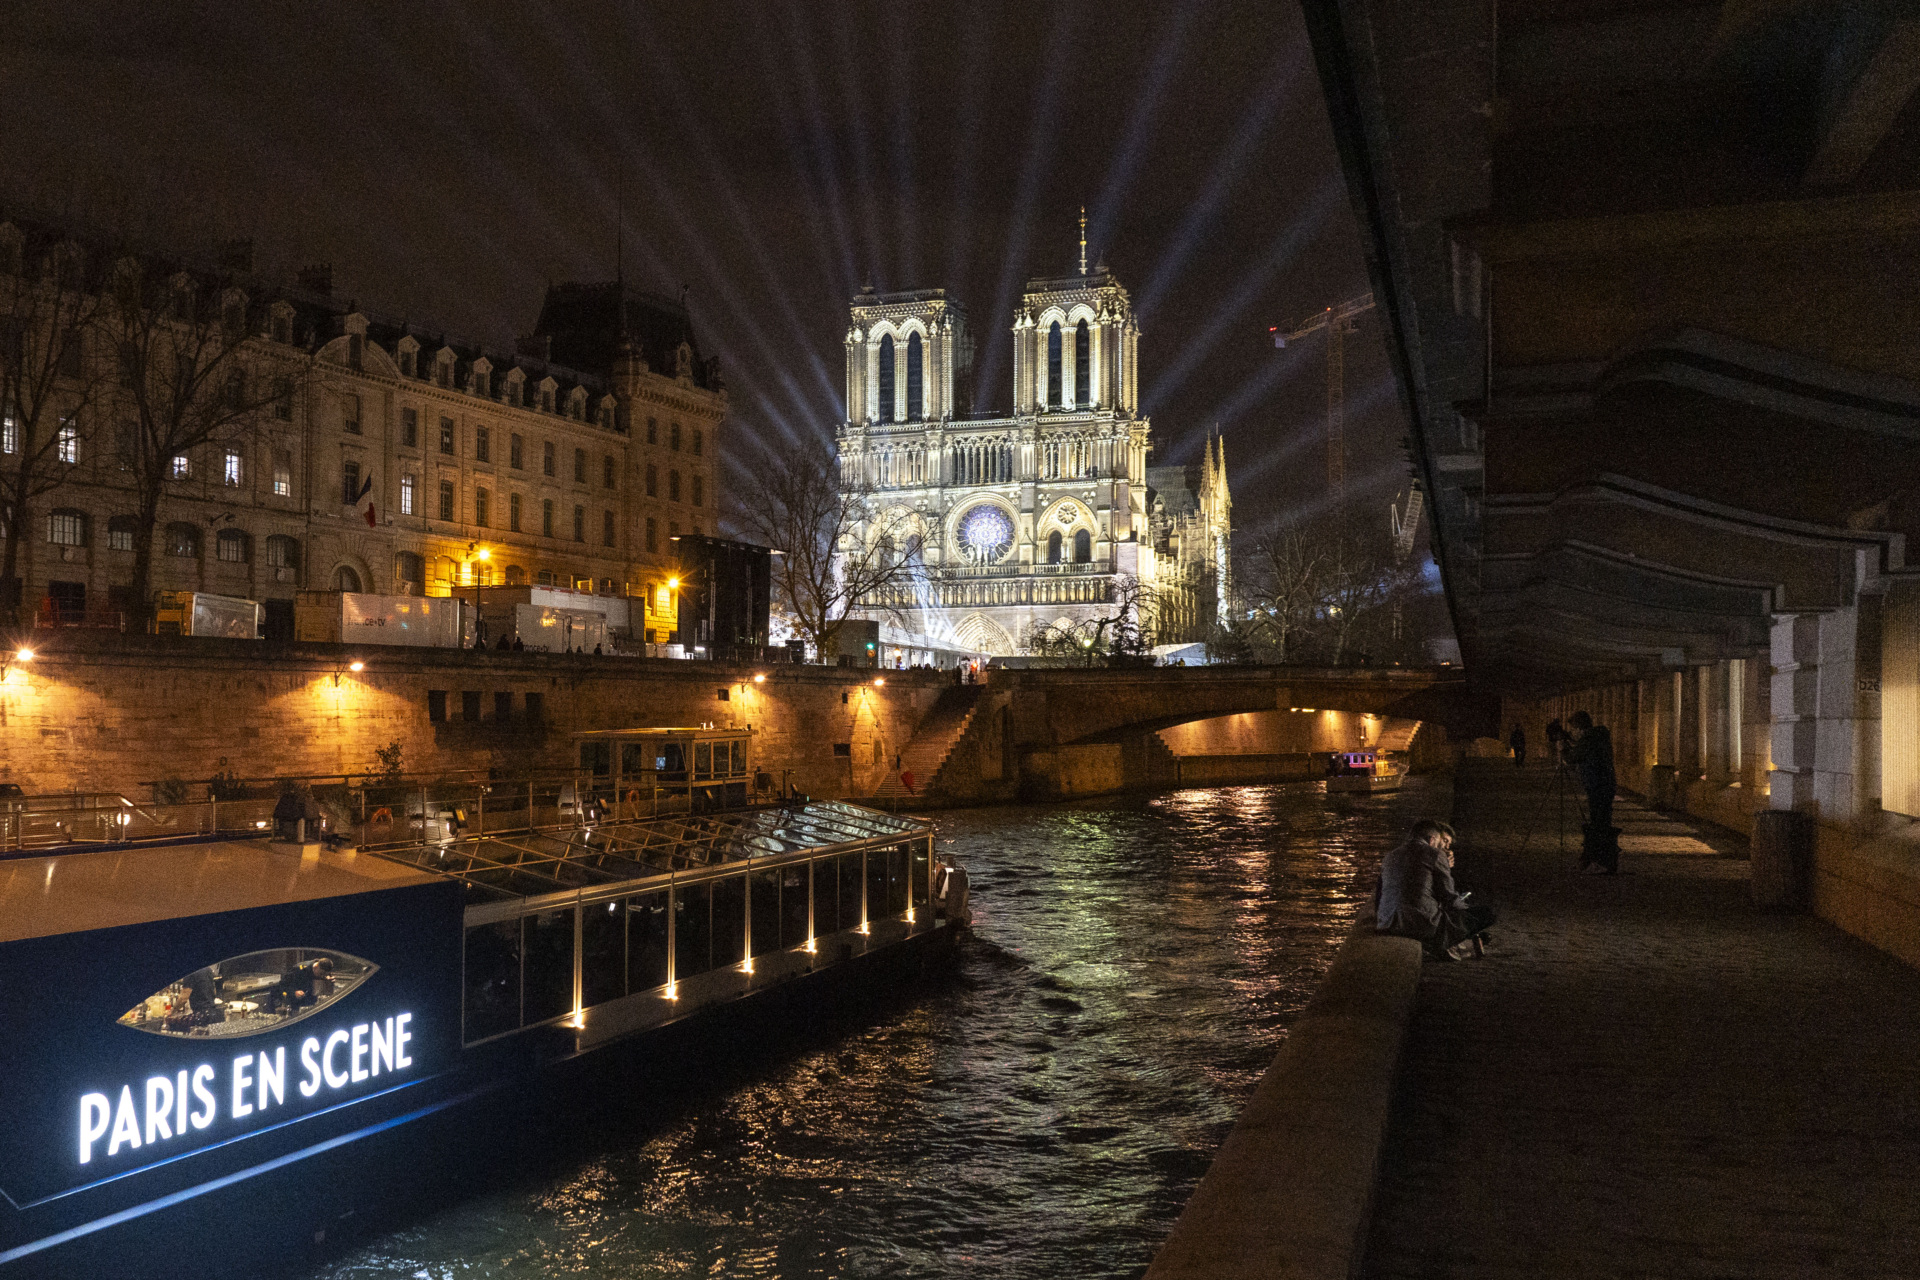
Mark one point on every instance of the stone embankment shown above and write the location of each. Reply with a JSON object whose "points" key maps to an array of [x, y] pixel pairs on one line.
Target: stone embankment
{"points": [[1648, 1076]]}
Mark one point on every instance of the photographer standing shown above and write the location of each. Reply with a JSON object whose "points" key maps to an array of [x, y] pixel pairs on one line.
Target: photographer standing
{"points": [[1590, 755]]}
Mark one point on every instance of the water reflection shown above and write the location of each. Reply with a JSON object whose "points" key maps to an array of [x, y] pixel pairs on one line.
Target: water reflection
{"points": [[1135, 965]]}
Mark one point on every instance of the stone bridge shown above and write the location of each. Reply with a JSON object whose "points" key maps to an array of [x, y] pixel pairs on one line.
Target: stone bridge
{"points": [[1037, 733]]}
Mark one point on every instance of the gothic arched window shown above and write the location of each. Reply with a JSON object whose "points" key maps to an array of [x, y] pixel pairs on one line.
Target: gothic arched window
{"points": [[1053, 366], [1082, 547], [886, 378], [1053, 547], [1082, 366], [915, 408]]}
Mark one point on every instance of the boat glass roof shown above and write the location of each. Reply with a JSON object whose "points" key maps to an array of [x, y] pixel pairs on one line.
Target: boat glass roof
{"points": [[528, 864]]}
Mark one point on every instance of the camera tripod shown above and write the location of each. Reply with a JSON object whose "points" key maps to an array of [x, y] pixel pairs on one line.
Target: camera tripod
{"points": [[1562, 773]]}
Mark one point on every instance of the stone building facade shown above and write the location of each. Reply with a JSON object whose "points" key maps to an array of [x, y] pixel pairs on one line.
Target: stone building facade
{"points": [[398, 460], [1036, 518]]}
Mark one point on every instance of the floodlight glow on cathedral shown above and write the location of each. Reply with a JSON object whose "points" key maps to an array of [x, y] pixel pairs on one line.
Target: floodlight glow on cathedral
{"points": [[1036, 518]]}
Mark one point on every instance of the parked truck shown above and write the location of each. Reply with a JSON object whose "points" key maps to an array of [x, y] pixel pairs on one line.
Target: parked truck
{"points": [[355, 617], [199, 613], [553, 619]]}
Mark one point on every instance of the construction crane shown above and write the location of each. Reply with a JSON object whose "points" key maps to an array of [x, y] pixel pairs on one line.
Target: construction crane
{"points": [[1404, 522], [1338, 322]]}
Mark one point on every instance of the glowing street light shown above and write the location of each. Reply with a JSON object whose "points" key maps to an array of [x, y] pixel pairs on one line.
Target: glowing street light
{"points": [[23, 655], [356, 666]]}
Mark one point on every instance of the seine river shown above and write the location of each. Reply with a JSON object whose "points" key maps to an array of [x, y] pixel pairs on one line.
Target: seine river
{"points": [[1046, 1112]]}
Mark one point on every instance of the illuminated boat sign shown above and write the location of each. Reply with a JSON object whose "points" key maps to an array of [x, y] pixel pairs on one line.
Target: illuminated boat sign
{"points": [[250, 994], [234, 1000]]}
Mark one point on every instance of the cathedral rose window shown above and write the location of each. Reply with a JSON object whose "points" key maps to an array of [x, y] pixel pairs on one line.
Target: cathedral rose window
{"points": [[986, 533]]}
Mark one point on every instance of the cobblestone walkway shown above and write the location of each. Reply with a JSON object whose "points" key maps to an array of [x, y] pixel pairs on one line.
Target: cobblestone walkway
{"points": [[1648, 1077]]}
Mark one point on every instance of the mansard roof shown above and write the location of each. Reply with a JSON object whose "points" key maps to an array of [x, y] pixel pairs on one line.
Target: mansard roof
{"points": [[584, 323]]}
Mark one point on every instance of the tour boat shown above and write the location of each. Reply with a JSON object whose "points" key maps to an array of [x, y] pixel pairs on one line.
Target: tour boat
{"points": [[1361, 771], [199, 1022]]}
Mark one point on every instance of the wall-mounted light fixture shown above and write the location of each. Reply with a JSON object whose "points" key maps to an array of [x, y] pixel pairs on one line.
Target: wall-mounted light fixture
{"points": [[16, 657]]}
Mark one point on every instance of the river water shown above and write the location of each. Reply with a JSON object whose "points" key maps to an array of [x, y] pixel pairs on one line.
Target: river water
{"points": [[1046, 1112]]}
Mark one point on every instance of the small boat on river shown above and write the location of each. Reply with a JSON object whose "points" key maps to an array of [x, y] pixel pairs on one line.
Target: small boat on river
{"points": [[1362, 772]]}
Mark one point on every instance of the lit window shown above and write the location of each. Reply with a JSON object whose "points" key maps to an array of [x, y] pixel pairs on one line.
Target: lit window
{"points": [[230, 468], [182, 467], [9, 430], [406, 495], [282, 474], [183, 540], [67, 528], [120, 530], [68, 444]]}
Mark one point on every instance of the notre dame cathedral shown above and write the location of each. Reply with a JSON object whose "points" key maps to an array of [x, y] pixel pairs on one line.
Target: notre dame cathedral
{"points": [[1040, 517]]}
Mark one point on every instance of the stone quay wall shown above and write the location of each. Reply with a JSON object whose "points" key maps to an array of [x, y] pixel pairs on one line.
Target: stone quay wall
{"points": [[110, 713]]}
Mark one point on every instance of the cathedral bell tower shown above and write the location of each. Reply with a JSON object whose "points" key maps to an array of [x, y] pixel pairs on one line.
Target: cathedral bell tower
{"points": [[909, 358], [1075, 343]]}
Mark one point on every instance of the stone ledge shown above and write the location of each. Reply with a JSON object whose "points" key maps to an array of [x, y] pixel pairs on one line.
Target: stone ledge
{"points": [[1871, 888], [1290, 1191]]}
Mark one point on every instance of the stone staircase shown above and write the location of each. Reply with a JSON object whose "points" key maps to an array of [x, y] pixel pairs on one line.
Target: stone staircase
{"points": [[923, 757], [1400, 737]]}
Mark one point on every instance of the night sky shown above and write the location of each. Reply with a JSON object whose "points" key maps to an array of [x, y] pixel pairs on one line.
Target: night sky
{"points": [[449, 160]]}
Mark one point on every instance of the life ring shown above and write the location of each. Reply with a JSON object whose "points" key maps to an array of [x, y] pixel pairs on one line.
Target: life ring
{"points": [[633, 795], [380, 816]]}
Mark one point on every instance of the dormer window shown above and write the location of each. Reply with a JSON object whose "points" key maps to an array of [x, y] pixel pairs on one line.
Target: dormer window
{"points": [[283, 329], [406, 364], [516, 389], [443, 370]]}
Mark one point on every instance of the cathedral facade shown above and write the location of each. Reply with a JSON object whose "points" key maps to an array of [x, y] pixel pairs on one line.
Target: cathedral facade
{"points": [[1048, 518]]}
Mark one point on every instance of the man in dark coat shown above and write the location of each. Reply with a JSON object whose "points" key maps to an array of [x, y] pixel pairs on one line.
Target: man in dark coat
{"points": [[1518, 741], [1418, 898], [1590, 756]]}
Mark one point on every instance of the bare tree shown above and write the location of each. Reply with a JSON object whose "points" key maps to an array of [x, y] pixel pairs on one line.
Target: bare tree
{"points": [[1119, 634], [48, 386], [839, 548], [1284, 583], [186, 380]]}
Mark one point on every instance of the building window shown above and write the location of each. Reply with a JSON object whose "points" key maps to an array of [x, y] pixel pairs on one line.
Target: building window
{"points": [[915, 381], [516, 452], [446, 435], [67, 446], [406, 495], [606, 472], [406, 364], [1053, 547], [653, 481], [283, 399], [346, 578], [482, 444], [437, 706], [673, 486], [1082, 366], [282, 473], [350, 482], [699, 442], [481, 499], [653, 431], [446, 500], [230, 467], [67, 528], [410, 428], [283, 552], [1053, 366], [886, 378], [579, 524], [653, 534], [513, 512], [9, 429], [546, 458], [444, 371], [410, 570], [1082, 547], [120, 531], [699, 492], [515, 389], [181, 468], [546, 517], [673, 528], [350, 414], [606, 527], [283, 331], [230, 545], [579, 466], [183, 541]]}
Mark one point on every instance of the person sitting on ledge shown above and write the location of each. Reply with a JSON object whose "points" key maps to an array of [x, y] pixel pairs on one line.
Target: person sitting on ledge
{"points": [[1417, 897]]}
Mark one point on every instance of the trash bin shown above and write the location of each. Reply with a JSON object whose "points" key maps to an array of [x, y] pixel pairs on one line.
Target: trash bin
{"points": [[1781, 871]]}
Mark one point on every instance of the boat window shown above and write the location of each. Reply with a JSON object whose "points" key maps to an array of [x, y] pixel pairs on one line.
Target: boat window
{"points": [[634, 758], [492, 979], [672, 762], [646, 941], [596, 757], [549, 965], [702, 760], [248, 994], [692, 931], [850, 914], [603, 952]]}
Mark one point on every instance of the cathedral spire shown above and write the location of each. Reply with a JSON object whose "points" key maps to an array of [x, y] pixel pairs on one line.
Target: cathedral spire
{"points": [[1083, 239]]}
